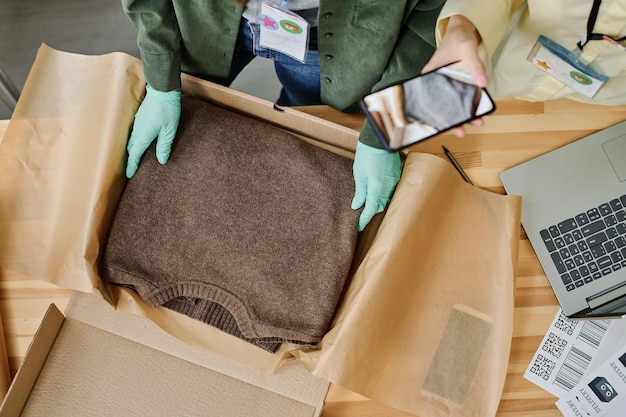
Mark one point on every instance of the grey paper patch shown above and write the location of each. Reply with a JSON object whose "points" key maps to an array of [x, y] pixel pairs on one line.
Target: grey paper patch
{"points": [[460, 349]]}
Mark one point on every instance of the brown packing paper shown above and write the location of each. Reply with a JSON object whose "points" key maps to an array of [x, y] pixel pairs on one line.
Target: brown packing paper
{"points": [[64, 149], [429, 310], [404, 335]]}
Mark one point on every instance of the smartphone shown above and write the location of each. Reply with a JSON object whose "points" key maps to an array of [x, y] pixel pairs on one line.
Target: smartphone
{"points": [[424, 106]]}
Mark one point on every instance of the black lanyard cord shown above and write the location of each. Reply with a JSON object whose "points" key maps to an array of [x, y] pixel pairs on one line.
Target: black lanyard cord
{"points": [[591, 22]]}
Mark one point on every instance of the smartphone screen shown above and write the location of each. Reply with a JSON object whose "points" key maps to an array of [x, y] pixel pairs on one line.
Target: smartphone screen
{"points": [[421, 107]]}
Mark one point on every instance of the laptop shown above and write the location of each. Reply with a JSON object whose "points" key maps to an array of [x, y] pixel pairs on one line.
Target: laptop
{"points": [[574, 213]]}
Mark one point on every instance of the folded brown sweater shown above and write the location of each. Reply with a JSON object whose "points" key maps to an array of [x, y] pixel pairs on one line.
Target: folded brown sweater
{"points": [[244, 222]]}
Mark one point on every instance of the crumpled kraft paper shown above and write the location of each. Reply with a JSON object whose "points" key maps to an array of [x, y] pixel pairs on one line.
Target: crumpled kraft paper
{"points": [[62, 166], [425, 323]]}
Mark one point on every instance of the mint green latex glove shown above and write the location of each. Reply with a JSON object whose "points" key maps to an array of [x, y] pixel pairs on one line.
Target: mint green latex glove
{"points": [[376, 173], [157, 118]]}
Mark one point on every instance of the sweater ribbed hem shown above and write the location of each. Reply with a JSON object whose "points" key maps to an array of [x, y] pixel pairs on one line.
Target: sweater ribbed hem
{"points": [[250, 326], [217, 316]]}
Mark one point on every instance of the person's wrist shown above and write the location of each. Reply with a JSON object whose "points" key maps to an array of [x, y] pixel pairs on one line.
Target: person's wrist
{"points": [[360, 146], [462, 23], [163, 95], [463, 37]]}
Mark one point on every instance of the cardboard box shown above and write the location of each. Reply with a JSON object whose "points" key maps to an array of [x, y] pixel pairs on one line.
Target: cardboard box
{"points": [[425, 322], [5, 373], [99, 362]]}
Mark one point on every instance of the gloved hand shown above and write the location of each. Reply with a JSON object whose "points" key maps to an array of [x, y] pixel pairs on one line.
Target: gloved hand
{"points": [[376, 173], [157, 118]]}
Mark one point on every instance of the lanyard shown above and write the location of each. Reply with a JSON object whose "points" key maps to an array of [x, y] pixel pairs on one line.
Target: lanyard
{"points": [[591, 35]]}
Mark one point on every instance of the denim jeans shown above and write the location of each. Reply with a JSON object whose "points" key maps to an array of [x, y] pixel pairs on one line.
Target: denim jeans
{"points": [[300, 80]]}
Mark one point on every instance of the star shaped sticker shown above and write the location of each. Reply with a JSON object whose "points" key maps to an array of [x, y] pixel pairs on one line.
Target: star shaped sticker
{"points": [[268, 22], [544, 65]]}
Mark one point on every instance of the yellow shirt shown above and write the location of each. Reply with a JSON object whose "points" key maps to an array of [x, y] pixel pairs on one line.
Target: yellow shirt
{"points": [[564, 21]]}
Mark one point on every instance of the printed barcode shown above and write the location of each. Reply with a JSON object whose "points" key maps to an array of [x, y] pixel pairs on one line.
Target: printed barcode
{"points": [[593, 331], [572, 370]]}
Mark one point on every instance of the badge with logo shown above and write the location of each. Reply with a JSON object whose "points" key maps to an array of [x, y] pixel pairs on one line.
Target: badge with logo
{"points": [[566, 66], [283, 32]]}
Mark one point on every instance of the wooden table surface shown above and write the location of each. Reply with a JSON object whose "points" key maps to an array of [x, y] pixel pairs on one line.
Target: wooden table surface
{"points": [[516, 132]]}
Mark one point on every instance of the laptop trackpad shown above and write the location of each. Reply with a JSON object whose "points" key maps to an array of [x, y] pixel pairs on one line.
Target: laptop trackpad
{"points": [[615, 150]]}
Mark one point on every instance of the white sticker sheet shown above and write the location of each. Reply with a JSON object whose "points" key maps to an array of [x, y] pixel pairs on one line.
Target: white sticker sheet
{"points": [[571, 350]]}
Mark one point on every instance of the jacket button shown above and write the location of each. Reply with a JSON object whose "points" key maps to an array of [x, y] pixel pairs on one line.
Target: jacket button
{"points": [[328, 57], [327, 80], [327, 15], [328, 35]]}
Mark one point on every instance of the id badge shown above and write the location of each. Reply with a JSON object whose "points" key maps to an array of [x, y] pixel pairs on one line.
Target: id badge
{"points": [[283, 32], [566, 67]]}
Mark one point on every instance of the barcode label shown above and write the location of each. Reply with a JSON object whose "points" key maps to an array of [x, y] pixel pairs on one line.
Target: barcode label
{"points": [[593, 331], [577, 361], [567, 352], [573, 368]]}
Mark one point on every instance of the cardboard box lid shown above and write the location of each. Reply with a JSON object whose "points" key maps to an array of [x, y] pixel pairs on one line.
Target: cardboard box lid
{"points": [[100, 362]]}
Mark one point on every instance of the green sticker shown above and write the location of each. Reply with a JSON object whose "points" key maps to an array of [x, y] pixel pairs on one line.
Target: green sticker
{"points": [[291, 27], [580, 78]]}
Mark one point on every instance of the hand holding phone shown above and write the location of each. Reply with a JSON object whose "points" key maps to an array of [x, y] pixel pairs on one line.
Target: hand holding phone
{"points": [[421, 107]]}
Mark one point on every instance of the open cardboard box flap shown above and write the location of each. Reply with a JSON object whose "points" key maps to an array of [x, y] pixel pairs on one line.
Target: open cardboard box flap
{"points": [[95, 350], [428, 308]]}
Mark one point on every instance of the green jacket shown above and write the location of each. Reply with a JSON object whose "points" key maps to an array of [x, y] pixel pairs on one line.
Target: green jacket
{"points": [[364, 45]]}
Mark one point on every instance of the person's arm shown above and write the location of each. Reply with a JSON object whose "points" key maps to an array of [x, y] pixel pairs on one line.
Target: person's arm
{"points": [[460, 43], [470, 31], [485, 24], [466, 34], [376, 171], [159, 41], [158, 115]]}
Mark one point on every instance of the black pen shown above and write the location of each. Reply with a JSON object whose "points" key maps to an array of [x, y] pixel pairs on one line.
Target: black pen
{"points": [[456, 165]]}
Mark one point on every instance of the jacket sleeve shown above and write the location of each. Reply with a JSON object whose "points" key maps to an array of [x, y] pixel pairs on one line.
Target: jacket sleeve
{"points": [[491, 26], [415, 46], [159, 41]]}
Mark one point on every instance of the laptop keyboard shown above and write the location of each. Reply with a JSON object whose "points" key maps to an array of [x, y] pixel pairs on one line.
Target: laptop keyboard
{"points": [[590, 245]]}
